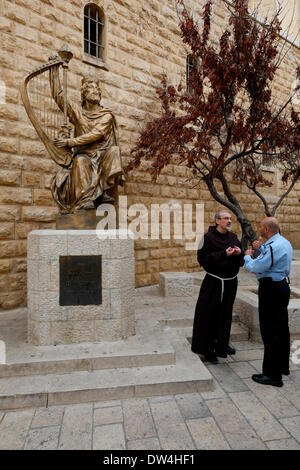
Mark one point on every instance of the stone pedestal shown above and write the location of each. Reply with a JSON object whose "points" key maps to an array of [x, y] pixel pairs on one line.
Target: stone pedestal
{"points": [[176, 284], [50, 323]]}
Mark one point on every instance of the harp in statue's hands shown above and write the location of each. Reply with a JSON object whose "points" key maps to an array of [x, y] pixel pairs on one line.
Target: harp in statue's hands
{"points": [[39, 97]]}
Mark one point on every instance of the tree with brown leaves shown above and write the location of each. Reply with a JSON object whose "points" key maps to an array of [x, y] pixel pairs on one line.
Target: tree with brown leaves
{"points": [[229, 124]]}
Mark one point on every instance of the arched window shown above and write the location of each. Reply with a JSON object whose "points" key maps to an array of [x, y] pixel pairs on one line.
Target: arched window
{"points": [[190, 64], [94, 31]]}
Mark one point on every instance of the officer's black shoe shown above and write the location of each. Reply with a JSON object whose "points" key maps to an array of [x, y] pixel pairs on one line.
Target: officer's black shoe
{"points": [[286, 372], [265, 380], [211, 358], [231, 351]]}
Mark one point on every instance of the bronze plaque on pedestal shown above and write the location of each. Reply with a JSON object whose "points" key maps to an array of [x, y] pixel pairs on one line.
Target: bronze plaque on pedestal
{"points": [[80, 280]]}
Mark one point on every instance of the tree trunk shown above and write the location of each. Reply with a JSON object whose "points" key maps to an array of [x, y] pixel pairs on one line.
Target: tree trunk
{"points": [[248, 233]]}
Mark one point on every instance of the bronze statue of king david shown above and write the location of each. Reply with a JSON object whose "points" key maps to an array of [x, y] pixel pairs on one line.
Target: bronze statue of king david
{"points": [[90, 159]]}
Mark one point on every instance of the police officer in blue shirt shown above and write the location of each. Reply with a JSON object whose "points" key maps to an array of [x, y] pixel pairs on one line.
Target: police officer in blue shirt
{"points": [[272, 267]]}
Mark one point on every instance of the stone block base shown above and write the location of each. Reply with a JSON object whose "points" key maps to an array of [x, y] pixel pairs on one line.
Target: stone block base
{"points": [[176, 284], [50, 323], [246, 306]]}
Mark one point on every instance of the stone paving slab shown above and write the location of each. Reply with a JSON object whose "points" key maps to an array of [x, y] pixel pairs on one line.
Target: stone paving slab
{"points": [[242, 369], [14, 428], [292, 425], [291, 391], [217, 392], [207, 434], [266, 426], [76, 429], [52, 416], [283, 444], [109, 437], [274, 401], [192, 406], [295, 375], [227, 379], [138, 421], [108, 415], [43, 438], [152, 443], [235, 428], [171, 428]]}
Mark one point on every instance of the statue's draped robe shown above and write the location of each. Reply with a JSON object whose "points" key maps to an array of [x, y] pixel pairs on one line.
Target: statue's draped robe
{"points": [[96, 165]]}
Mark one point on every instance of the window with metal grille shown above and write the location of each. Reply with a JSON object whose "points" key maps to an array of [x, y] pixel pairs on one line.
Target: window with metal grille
{"points": [[93, 31], [190, 64]]}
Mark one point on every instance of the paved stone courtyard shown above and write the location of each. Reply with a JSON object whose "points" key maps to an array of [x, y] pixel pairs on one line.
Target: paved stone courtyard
{"points": [[238, 414]]}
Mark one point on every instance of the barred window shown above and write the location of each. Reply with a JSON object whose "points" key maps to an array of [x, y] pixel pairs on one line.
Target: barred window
{"points": [[93, 31], [190, 64]]}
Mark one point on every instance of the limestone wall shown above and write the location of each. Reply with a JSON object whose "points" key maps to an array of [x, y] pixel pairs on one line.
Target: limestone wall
{"points": [[289, 14], [142, 41]]}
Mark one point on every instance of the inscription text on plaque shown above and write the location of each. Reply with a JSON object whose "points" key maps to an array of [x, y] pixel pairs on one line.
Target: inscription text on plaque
{"points": [[80, 280]]}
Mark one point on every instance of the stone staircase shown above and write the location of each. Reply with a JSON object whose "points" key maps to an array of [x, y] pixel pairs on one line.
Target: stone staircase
{"points": [[156, 361]]}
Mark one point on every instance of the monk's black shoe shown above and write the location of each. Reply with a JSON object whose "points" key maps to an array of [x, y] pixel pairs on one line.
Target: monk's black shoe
{"points": [[265, 380], [231, 351], [211, 358]]}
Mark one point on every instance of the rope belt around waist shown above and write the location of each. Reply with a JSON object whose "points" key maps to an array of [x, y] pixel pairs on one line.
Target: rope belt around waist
{"points": [[222, 279]]}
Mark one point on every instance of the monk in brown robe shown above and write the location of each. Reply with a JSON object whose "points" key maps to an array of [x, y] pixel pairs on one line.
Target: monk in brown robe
{"points": [[96, 165], [221, 256]]}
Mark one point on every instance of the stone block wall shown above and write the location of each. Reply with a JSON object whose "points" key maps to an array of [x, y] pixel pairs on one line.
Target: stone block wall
{"points": [[142, 42]]}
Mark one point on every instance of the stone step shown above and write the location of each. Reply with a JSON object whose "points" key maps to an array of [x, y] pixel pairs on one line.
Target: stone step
{"points": [[177, 322], [188, 322], [239, 332], [186, 376], [27, 359], [235, 317], [296, 255]]}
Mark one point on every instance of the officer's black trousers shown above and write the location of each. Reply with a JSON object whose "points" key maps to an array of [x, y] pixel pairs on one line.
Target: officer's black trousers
{"points": [[273, 318]]}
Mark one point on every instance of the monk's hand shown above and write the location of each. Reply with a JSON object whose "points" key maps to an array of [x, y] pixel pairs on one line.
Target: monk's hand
{"points": [[250, 252], [237, 250], [257, 244], [61, 142], [229, 251]]}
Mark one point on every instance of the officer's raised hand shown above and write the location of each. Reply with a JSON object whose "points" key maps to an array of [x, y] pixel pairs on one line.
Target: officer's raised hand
{"points": [[250, 251], [257, 244]]}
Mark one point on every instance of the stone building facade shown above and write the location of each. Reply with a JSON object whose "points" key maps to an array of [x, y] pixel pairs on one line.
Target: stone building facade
{"points": [[141, 41]]}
